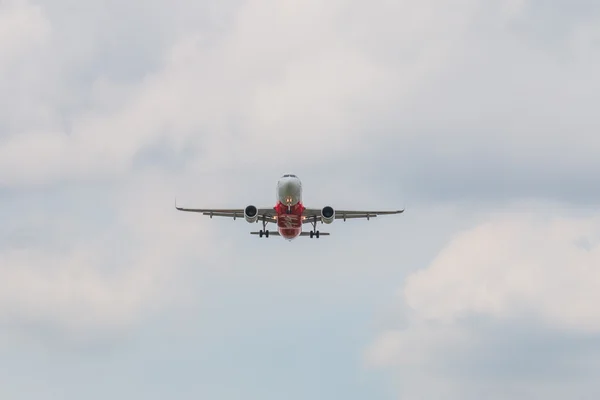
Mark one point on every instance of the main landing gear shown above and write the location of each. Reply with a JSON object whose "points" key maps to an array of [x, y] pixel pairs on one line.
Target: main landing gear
{"points": [[314, 232], [264, 230]]}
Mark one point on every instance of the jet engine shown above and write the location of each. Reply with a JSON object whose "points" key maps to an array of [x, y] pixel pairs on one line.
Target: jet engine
{"points": [[327, 215], [251, 214]]}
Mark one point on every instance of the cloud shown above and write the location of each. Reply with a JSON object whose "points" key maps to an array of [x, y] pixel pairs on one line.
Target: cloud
{"points": [[514, 96], [474, 100], [235, 88], [83, 276], [23, 28], [513, 266], [501, 302], [242, 95], [24, 38]]}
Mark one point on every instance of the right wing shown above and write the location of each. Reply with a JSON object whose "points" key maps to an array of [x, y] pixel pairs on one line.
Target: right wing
{"points": [[311, 213], [266, 214]]}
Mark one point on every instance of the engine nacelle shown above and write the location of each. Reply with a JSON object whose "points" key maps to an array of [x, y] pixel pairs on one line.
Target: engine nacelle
{"points": [[327, 215], [251, 214]]}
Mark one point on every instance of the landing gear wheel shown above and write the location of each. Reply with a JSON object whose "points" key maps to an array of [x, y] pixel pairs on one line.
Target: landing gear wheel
{"points": [[267, 233], [317, 233], [311, 234], [260, 233]]}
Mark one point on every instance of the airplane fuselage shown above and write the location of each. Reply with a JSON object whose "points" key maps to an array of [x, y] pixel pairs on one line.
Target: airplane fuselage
{"points": [[289, 206]]}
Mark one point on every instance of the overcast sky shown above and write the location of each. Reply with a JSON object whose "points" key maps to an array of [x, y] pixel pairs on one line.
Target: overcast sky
{"points": [[481, 117]]}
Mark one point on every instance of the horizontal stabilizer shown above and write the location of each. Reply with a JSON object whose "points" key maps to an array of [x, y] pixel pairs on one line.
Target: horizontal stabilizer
{"points": [[275, 233]]}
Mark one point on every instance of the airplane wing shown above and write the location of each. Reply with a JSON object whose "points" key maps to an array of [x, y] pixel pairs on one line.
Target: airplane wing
{"points": [[267, 214], [311, 214]]}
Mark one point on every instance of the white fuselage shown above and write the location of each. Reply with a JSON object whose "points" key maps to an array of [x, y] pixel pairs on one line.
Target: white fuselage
{"points": [[289, 206]]}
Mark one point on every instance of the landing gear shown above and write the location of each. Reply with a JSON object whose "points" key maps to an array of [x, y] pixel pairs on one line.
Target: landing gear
{"points": [[314, 232], [264, 230]]}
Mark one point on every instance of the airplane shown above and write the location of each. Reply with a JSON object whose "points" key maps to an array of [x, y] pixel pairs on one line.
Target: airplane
{"points": [[289, 213]]}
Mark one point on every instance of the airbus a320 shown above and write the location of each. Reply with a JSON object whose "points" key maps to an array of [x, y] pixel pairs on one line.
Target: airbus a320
{"points": [[289, 213]]}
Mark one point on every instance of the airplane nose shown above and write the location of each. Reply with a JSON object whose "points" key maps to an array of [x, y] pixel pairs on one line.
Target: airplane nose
{"points": [[287, 191], [287, 186]]}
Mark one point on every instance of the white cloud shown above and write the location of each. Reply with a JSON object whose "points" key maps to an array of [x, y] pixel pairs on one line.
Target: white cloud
{"points": [[237, 87], [475, 95], [244, 97], [533, 269], [273, 84], [25, 66], [23, 28], [86, 278], [514, 266]]}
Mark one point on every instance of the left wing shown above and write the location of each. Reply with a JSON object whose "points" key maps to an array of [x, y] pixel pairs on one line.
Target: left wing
{"points": [[266, 214], [311, 213]]}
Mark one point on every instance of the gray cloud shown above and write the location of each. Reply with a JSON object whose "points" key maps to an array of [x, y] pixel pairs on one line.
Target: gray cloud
{"points": [[109, 109], [455, 88], [504, 309], [499, 360]]}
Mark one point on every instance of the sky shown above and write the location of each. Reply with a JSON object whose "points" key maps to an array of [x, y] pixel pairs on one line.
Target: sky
{"points": [[480, 117]]}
